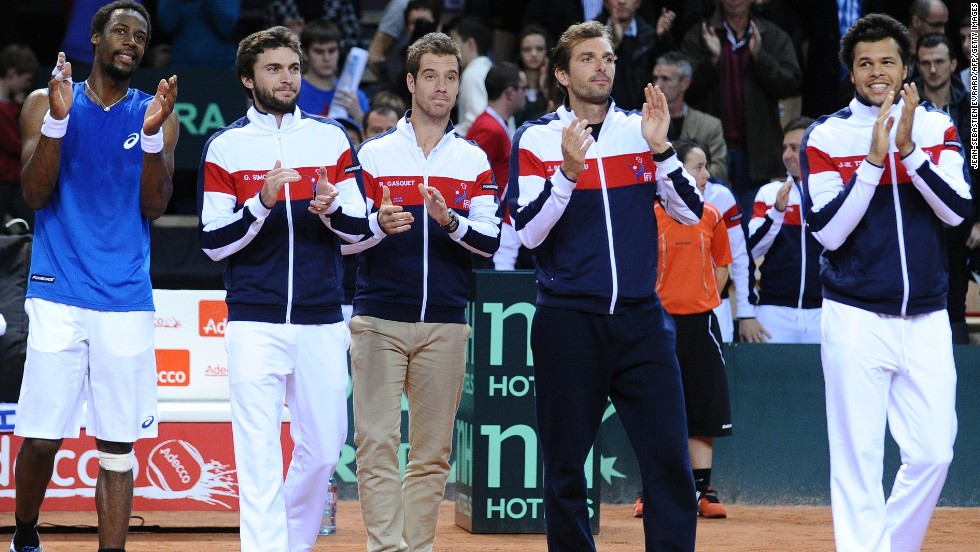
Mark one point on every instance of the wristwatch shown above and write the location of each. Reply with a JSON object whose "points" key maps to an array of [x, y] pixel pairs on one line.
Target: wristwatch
{"points": [[453, 223]]}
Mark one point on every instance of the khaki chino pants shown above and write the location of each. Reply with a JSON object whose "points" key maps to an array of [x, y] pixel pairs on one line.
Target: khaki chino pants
{"points": [[427, 362]]}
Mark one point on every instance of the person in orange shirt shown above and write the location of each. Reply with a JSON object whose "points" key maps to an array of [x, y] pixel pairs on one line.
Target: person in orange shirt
{"points": [[693, 269]]}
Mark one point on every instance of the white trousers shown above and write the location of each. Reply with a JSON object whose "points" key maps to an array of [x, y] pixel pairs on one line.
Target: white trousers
{"points": [[307, 366], [789, 324], [898, 370]]}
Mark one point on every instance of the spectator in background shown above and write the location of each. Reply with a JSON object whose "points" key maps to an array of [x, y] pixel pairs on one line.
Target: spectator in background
{"points": [[296, 13], [507, 90], [505, 19], [397, 22], [939, 86], [533, 45], [743, 66], [966, 32], [789, 290], [926, 17], [558, 15], [17, 68], [672, 74], [474, 41], [420, 18], [203, 31], [826, 87], [689, 280], [321, 42], [637, 45], [379, 119]]}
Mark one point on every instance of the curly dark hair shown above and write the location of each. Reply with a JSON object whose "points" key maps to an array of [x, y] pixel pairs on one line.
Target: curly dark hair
{"points": [[872, 28], [101, 17]]}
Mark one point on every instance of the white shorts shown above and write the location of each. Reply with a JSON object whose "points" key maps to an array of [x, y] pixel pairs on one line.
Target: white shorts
{"points": [[77, 356]]}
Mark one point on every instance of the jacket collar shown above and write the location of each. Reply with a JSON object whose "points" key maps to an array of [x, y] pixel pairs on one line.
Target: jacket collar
{"points": [[867, 111], [267, 121], [404, 128], [565, 113]]}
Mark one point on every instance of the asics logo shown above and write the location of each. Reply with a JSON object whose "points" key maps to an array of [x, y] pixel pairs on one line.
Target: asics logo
{"points": [[131, 140], [147, 422]]}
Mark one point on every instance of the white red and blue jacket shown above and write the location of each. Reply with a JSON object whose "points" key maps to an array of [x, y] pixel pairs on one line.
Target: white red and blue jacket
{"points": [[594, 240], [882, 227], [423, 275], [791, 270], [741, 273], [284, 263]]}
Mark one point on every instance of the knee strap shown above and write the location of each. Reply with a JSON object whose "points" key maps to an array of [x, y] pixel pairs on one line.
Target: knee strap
{"points": [[120, 463]]}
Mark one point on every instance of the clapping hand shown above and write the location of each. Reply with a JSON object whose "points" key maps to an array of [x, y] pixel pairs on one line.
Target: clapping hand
{"points": [[60, 93], [393, 219], [161, 106], [325, 194]]}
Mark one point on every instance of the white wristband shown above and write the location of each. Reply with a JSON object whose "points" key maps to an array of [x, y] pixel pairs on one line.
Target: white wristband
{"points": [[53, 128], [152, 144]]}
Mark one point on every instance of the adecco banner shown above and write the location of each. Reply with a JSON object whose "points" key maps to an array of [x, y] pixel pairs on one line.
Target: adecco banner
{"points": [[192, 364], [189, 466]]}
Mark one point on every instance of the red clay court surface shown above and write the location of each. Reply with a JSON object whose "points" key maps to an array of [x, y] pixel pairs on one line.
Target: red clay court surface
{"points": [[748, 528]]}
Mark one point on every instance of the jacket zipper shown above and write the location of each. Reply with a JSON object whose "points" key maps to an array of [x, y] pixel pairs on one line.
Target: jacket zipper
{"points": [[289, 235], [425, 233], [609, 232]]}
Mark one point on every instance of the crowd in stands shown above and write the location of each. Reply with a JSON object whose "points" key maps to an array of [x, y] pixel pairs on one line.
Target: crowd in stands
{"points": [[734, 72]]}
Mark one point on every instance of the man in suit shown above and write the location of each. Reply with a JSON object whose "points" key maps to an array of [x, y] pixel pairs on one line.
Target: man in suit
{"points": [[672, 74]]}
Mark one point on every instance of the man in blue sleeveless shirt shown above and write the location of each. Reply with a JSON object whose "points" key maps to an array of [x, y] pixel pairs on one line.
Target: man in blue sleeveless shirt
{"points": [[89, 297]]}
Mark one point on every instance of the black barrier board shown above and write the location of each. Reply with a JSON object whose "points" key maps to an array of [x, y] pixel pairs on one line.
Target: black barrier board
{"points": [[498, 460]]}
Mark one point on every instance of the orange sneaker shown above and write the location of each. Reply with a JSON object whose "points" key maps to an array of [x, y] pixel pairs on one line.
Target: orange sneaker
{"points": [[709, 506], [638, 507]]}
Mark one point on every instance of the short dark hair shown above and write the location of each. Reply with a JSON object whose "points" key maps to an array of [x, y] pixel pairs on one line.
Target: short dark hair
{"points": [[434, 7], [799, 123], [580, 32], [254, 44], [501, 76], [920, 8], [381, 109], [684, 146], [318, 31], [933, 40], [433, 43], [101, 17], [385, 96], [471, 27], [18, 57], [872, 28]]}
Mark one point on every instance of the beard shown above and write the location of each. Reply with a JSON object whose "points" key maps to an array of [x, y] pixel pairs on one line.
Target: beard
{"points": [[119, 74], [268, 101]]}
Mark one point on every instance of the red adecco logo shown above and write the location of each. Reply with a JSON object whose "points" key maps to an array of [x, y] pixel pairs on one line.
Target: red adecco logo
{"points": [[212, 318], [173, 367]]}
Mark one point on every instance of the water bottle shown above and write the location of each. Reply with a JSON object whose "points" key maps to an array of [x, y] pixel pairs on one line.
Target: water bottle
{"points": [[329, 524]]}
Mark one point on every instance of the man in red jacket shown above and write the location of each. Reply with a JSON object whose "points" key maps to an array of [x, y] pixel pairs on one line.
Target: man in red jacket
{"points": [[492, 131]]}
